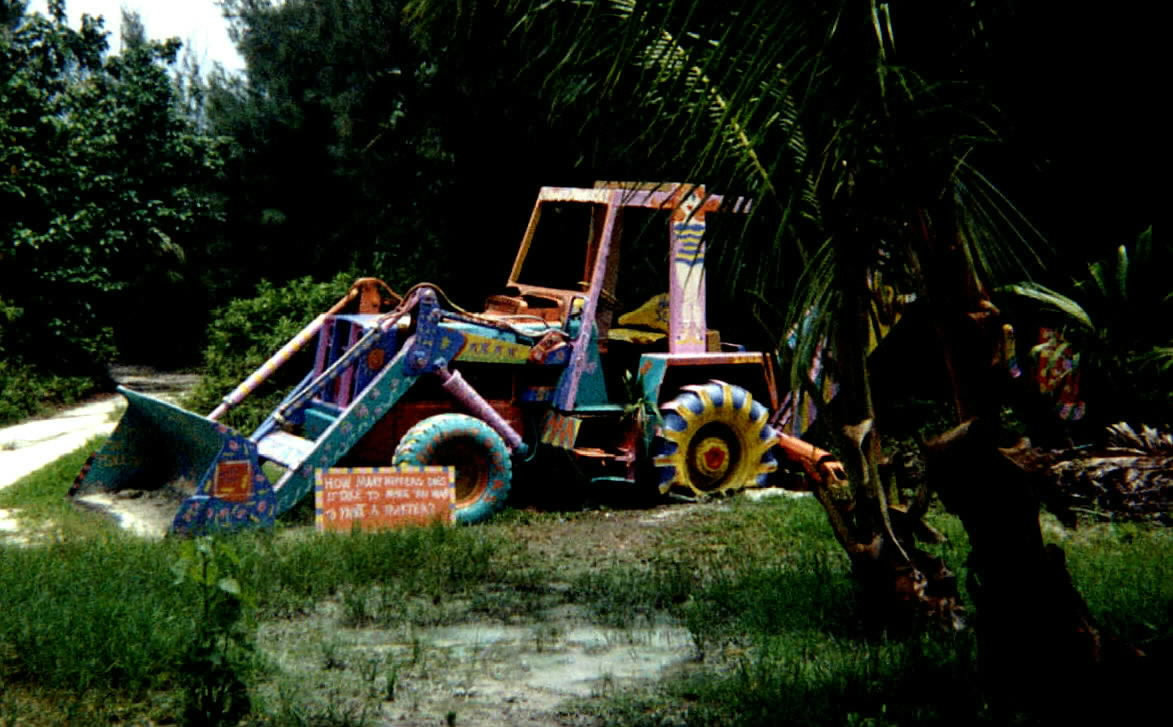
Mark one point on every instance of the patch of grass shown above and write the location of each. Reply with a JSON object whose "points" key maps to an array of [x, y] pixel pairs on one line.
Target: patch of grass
{"points": [[809, 677], [294, 709], [741, 532], [95, 614], [1125, 574], [762, 587], [780, 637], [773, 612], [433, 565], [42, 507]]}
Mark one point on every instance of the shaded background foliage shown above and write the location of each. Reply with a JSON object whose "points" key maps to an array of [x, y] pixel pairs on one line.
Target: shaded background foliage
{"points": [[102, 187], [406, 140]]}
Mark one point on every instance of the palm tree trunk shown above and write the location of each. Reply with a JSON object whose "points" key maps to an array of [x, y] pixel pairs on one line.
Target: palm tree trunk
{"points": [[1037, 642], [902, 586]]}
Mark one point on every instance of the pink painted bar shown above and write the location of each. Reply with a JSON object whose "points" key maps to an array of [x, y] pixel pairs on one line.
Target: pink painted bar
{"points": [[249, 385], [346, 381], [455, 384]]}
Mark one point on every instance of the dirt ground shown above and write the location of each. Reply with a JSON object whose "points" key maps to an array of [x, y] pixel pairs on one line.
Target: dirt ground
{"points": [[533, 668], [537, 666]]}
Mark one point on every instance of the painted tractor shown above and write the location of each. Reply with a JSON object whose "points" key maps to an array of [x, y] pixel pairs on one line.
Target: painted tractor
{"points": [[652, 397]]}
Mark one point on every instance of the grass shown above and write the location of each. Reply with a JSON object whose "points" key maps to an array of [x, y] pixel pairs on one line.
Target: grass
{"points": [[39, 501], [96, 629], [1125, 573]]}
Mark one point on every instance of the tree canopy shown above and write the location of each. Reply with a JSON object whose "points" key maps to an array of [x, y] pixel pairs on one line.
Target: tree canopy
{"points": [[103, 183]]}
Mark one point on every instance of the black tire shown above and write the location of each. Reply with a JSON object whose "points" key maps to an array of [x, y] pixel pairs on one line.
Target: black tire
{"points": [[484, 470]]}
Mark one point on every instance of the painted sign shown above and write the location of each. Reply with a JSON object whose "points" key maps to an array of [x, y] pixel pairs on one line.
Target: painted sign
{"points": [[492, 350], [559, 430], [379, 498]]}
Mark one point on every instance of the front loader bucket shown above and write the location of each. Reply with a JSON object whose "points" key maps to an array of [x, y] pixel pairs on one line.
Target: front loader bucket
{"points": [[166, 469]]}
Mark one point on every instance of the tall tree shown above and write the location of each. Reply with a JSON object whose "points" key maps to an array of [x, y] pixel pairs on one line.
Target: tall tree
{"points": [[362, 143], [338, 160], [100, 187], [859, 157]]}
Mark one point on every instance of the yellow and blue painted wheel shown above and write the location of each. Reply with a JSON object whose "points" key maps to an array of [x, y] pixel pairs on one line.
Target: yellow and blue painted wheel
{"points": [[478, 454], [714, 439]]}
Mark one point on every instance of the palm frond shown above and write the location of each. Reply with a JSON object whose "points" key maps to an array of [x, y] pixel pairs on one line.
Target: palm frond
{"points": [[1054, 300]]}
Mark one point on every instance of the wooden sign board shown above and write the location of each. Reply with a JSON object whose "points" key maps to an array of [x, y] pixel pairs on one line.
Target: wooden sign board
{"points": [[379, 498]]}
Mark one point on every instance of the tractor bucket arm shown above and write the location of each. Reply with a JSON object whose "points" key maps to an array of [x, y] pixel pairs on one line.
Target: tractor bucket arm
{"points": [[365, 290], [174, 470]]}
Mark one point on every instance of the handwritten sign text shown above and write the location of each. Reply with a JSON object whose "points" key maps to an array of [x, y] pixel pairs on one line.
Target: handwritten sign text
{"points": [[377, 498]]}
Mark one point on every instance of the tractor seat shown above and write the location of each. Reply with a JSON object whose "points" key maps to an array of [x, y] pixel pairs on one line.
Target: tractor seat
{"points": [[646, 325]]}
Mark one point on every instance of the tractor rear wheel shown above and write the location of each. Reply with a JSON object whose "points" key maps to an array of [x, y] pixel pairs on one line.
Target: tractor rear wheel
{"points": [[478, 454], [714, 439]]}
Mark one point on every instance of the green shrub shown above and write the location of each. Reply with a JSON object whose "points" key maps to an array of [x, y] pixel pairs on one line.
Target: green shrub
{"points": [[246, 332], [26, 390]]}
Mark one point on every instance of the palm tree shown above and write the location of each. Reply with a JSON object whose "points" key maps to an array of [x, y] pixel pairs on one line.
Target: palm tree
{"points": [[859, 153], [858, 128]]}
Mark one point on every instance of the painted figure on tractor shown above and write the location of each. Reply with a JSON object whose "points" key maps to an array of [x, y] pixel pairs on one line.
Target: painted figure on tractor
{"points": [[550, 362]]}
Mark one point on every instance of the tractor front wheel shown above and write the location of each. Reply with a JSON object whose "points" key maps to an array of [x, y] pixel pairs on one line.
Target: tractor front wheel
{"points": [[478, 454], [714, 439]]}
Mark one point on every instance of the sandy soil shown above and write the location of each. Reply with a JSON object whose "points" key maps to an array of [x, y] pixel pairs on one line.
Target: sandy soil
{"points": [[537, 668]]}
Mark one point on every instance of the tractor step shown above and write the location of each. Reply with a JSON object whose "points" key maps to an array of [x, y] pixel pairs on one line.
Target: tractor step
{"points": [[284, 448], [319, 415], [594, 453], [612, 480]]}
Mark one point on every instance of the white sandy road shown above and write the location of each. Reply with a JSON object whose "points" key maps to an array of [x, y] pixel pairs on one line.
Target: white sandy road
{"points": [[29, 446]]}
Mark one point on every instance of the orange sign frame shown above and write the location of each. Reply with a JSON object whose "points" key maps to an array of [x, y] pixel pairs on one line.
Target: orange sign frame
{"points": [[381, 498]]}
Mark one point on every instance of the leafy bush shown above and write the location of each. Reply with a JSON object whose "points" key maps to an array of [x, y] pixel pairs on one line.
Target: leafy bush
{"points": [[27, 390], [221, 657], [246, 332]]}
